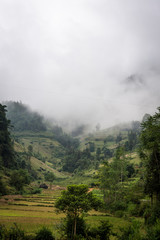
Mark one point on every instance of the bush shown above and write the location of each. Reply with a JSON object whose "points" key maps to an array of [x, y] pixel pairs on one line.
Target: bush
{"points": [[133, 209], [2, 232], [67, 228], [153, 232], [36, 190], [14, 233], [141, 209], [44, 234], [102, 232], [19, 178], [119, 213], [131, 232], [118, 206], [151, 215], [3, 189]]}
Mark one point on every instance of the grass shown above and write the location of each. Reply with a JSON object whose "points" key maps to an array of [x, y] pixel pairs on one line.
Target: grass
{"points": [[75, 180], [38, 210], [31, 212]]}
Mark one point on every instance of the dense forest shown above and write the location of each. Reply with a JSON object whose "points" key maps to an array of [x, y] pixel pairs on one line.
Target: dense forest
{"points": [[121, 163]]}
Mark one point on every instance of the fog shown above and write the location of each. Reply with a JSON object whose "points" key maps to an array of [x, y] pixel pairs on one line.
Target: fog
{"points": [[81, 61]]}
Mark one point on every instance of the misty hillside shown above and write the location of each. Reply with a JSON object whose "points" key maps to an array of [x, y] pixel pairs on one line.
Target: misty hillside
{"points": [[42, 147], [22, 118], [63, 151], [76, 79]]}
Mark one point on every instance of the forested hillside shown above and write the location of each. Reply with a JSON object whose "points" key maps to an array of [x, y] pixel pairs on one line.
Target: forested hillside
{"points": [[35, 142], [28, 149], [121, 163], [23, 119]]}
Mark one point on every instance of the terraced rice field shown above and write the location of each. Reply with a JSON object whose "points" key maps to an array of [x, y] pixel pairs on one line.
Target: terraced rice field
{"points": [[31, 212]]}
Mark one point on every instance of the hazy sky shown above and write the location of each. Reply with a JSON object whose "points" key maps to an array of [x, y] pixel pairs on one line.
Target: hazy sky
{"points": [[85, 60]]}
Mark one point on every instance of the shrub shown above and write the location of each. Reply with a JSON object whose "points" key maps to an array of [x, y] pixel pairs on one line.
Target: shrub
{"points": [[14, 233], [36, 190], [133, 209], [119, 213], [131, 232], [151, 215], [3, 189], [153, 232], [67, 227], [44, 234], [102, 232], [2, 232], [117, 206]]}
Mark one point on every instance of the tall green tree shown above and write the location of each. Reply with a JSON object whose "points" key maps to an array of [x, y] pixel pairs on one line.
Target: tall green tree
{"points": [[112, 175], [6, 147], [76, 200], [150, 153], [19, 178], [50, 177]]}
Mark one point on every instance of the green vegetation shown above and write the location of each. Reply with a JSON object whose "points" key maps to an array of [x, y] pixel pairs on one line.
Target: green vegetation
{"points": [[44, 234], [150, 153], [74, 201], [7, 158], [22, 118], [121, 165], [50, 177]]}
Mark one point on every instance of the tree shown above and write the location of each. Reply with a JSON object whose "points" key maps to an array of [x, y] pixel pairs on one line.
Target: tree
{"points": [[3, 190], [76, 200], [150, 153], [19, 178], [119, 163], [7, 154], [98, 153], [112, 176], [91, 146], [107, 152], [132, 141], [50, 177], [119, 138]]}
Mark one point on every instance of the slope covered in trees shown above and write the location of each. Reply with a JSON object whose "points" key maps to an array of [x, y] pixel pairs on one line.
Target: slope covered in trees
{"points": [[22, 118], [108, 158]]}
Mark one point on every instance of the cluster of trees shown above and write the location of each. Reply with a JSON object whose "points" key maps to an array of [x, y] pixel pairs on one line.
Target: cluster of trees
{"points": [[132, 141], [122, 195], [15, 165], [77, 160], [65, 139], [114, 176], [23, 119]]}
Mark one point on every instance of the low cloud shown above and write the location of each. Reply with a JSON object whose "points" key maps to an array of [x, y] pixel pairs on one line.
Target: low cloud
{"points": [[82, 61]]}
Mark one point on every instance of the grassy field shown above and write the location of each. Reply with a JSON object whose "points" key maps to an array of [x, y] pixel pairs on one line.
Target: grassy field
{"points": [[31, 212]]}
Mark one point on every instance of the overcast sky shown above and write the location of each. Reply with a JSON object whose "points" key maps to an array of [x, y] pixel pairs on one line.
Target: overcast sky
{"points": [[82, 60]]}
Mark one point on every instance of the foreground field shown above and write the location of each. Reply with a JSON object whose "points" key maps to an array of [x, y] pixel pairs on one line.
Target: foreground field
{"points": [[31, 212]]}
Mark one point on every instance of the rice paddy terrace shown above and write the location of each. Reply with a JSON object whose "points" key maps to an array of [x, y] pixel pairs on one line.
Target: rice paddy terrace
{"points": [[31, 212]]}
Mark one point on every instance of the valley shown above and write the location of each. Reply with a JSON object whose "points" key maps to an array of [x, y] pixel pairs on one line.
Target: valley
{"points": [[44, 162]]}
